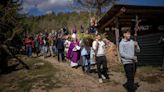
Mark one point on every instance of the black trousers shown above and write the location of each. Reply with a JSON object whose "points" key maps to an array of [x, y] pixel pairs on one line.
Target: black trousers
{"points": [[102, 66], [130, 70], [36, 50], [60, 54]]}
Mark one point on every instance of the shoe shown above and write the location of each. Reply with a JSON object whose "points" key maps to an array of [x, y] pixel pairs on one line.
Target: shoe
{"points": [[136, 86], [100, 80], [103, 77], [125, 86]]}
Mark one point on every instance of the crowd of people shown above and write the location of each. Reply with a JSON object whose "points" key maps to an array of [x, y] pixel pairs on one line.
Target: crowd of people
{"points": [[85, 52], [68, 47]]}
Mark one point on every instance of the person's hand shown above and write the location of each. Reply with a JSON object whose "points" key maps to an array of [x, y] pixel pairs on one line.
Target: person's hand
{"points": [[162, 39], [135, 44], [135, 58]]}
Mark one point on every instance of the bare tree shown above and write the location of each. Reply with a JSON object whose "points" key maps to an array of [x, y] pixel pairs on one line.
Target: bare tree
{"points": [[94, 4], [86, 5], [102, 3]]}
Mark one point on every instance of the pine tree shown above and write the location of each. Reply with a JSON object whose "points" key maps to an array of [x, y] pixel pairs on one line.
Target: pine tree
{"points": [[10, 19]]}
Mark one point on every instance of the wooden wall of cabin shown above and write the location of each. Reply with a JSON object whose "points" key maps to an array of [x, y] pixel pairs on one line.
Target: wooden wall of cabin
{"points": [[152, 53]]}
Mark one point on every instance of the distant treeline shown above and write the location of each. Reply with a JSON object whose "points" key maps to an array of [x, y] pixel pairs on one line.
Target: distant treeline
{"points": [[55, 22]]}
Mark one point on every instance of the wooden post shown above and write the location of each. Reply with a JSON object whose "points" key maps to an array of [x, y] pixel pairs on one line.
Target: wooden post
{"points": [[117, 34], [117, 31]]}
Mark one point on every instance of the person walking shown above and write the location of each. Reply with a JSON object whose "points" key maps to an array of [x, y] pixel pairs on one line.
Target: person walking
{"points": [[28, 44], [45, 46], [85, 56], [99, 47], [67, 43], [127, 48], [60, 48], [37, 44], [50, 41], [73, 53]]}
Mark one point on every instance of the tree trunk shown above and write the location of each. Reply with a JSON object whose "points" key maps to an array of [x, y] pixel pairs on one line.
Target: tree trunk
{"points": [[98, 12], [90, 15]]}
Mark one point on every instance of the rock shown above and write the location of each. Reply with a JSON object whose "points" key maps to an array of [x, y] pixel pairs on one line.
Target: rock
{"points": [[38, 65]]}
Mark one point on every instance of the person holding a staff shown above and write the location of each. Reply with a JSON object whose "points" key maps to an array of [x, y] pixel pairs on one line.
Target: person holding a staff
{"points": [[127, 49]]}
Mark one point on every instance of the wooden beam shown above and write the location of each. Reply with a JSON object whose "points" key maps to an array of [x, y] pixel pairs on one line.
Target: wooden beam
{"points": [[142, 16], [146, 11]]}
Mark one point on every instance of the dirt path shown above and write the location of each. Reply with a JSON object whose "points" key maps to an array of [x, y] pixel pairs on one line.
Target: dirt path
{"points": [[77, 81], [74, 80]]}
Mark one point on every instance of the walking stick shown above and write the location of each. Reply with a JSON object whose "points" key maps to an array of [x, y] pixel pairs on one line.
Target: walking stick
{"points": [[136, 29]]}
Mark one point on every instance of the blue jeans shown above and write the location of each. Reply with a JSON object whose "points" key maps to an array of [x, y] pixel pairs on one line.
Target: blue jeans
{"points": [[29, 51], [41, 49], [55, 51], [45, 50], [85, 64]]}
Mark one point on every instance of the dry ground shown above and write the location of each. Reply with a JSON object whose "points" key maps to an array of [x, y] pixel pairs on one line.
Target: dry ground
{"points": [[77, 81], [66, 79]]}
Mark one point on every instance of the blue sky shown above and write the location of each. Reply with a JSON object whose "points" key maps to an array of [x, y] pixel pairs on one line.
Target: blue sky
{"points": [[41, 7], [144, 2]]}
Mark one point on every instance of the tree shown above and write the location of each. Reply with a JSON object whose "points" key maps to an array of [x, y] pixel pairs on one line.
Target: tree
{"points": [[10, 24], [94, 4], [10, 19], [102, 3]]}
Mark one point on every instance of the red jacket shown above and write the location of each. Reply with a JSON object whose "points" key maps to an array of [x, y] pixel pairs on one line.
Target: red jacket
{"points": [[28, 42]]}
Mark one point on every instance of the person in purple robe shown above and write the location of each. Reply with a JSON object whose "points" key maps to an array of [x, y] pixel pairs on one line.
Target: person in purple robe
{"points": [[73, 53]]}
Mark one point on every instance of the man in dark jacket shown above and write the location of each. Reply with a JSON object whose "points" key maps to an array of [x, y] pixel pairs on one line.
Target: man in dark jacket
{"points": [[60, 48]]}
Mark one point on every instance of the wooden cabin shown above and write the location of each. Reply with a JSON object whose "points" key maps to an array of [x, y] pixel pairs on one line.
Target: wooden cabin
{"points": [[150, 22]]}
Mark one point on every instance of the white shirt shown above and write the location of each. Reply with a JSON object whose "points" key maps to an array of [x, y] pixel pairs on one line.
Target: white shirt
{"points": [[101, 47], [67, 43]]}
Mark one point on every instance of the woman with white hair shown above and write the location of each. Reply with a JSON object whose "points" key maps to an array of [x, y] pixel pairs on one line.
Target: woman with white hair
{"points": [[73, 53]]}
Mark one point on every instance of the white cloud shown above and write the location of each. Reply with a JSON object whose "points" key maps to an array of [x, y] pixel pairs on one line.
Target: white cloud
{"points": [[45, 5], [48, 12]]}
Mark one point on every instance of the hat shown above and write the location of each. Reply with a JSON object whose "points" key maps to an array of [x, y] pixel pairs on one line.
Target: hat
{"points": [[73, 36]]}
